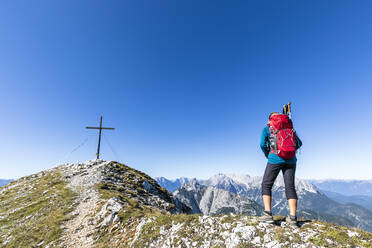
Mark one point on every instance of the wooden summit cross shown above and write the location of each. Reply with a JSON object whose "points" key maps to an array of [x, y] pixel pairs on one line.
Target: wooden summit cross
{"points": [[99, 134]]}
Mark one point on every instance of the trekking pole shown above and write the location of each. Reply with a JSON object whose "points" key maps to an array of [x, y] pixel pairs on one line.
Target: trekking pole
{"points": [[284, 109], [289, 110]]}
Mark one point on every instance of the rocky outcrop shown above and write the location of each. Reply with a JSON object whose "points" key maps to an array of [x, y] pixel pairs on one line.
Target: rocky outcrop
{"points": [[244, 231]]}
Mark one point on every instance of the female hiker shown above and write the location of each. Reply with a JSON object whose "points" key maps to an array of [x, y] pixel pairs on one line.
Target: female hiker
{"points": [[279, 143]]}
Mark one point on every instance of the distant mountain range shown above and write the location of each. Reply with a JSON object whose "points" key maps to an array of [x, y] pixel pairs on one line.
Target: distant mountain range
{"points": [[313, 202], [362, 200], [172, 185], [341, 191], [347, 191], [345, 187], [5, 181], [210, 200]]}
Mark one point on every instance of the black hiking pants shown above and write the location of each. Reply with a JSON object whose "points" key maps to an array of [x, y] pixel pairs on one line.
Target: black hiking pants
{"points": [[271, 173]]}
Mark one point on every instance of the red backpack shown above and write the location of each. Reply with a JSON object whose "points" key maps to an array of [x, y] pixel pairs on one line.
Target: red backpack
{"points": [[282, 136]]}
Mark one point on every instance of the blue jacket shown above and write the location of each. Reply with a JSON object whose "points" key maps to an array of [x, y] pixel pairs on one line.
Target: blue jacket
{"points": [[272, 157]]}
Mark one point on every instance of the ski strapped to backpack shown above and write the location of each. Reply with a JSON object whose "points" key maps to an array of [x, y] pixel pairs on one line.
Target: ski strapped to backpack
{"points": [[282, 135]]}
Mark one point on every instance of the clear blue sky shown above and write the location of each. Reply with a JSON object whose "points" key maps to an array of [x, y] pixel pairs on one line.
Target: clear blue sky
{"points": [[188, 85]]}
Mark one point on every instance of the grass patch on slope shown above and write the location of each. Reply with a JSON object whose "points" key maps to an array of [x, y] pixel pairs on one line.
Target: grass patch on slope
{"points": [[126, 184], [33, 209], [127, 187], [338, 235]]}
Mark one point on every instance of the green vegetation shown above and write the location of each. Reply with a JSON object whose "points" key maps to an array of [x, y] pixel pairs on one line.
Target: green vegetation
{"points": [[33, 208], [339, 237], [280, 235], [230, 218], [128, 187]]}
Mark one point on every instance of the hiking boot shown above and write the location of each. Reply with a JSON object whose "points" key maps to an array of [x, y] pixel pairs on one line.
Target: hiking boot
{"points": [[266, 218], [291, 220]]}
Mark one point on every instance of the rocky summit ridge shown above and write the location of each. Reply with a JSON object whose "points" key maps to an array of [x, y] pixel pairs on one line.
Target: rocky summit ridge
{"points": [[108, 204]]}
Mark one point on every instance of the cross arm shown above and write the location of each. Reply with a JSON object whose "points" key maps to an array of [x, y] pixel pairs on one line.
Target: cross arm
{"points": [[107, 128], [92, 127]]}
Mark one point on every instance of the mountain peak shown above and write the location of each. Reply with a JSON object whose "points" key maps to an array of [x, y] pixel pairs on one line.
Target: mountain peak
{"points": [[108, 204], [81, 200], [193, 184]]}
